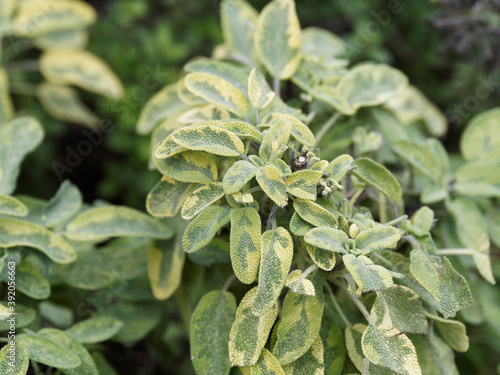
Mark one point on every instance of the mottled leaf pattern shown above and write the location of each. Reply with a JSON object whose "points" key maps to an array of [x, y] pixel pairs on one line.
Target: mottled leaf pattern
{"points": [[271, 181], [258, 89], [204, 227], [302, 184], [368, 276], [328, 239], [167, 197], [237, 176], [201, 198], [378, 238], [376, 175], [189, 166], [314, 214]]}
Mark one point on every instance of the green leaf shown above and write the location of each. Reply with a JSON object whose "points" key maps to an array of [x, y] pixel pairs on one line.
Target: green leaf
{"points": [[17, 365], [478, 180], [328, 239], [237, 176], [6, 106], [17, 138], [300, 131], [209, 333], [452, 331], [275, 140], [299, 226], [470, 222], [100, 223], [249, 332], [441, 280], [63, 103], [64, 38], [315, 214], [216, 252], [209, 137], [245, 243], [66, 203], [334, 345], [401, 308], [259, 92], [30, 281], [322, 47], [204, 227], [378, 176], [94, 330], [166, 198], [324, 259], [200, 198], [420, 156], [482, 259], [238, 20], [203, 113], [167, 147], [162, 105], [302, 184], [299, 325], [338, 167], [67, 66], [368, 276], [422, 220], [434, 355], [493, 221], [312, 362], [15, 232], [378, 238], [266, 365], [391, 349], [48, 352], [189, 166], [298, 284], [217, 91], [25, 316], [12, 206], [241, 129], [277, 38], [481, 139], [271, 181], [275, 262]]}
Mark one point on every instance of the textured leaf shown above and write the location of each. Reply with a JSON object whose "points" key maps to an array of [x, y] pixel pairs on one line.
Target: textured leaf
{"points": [[277, 38], [201, 198], [368, 276], [17, 138], [391, 349], [481, 139], [238, 20], [275, 140], [482, 259], [100, 223], [245, 243], [275, 262], [271, 181], [333, 340], [25, 316], [94, 330], [189, 166], [6, 106], [339, 167], [478, 180], [453, 332], [493, 220], [328, 239], [302, 184], [470, 222], [241, 129], [237, 176], [209, 333], [12, 206], [434, 355], [20, 362], [376, 175], [168, 147], [422, 219], [65, 203], [322, 47], [441, 280], [299, 226], [209, 137], [312, 362], [299, 131], [298, 284], [30, 281], [378, 238], [399, 307], [324, 259], [15, 232], [203, 113], [249, 332], [204, 227], [259, 92], [167, 196], [63, 103], [266, 365], [217, 91], [299, 325], [80, 68], [314, 214]]}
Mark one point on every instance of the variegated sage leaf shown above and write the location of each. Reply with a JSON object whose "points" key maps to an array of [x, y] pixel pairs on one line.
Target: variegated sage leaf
{"points": [[15, 232], [434, 355], [278, 38], [168, 147], [266, 365], [420, 156], [18, 366], [391, 349], [470, 222], [12, 206], [100, 223], [275, 262], [245, 243], [312, 362], [299, 226], [422, 220], [166, 198], [258, 89], [30, 281], [300, 131], [66, 203], [338, 167], [271, 181], [249, 332], [482, 259], [275, 140], [25, 316], [452, 331], [202, 113], [332, 336], [66, 38], [326, 238], [441, 280], [478, 180], [217, 91], [324, 259], [209, 137], [203, 228], [299, 324], [237, 176], [94, 330], [378, 238], [238, 21], [209, 333], [315, 214], [367, 275], [190, 166], [200, 198], [241, 129], [378, 176], [399, 307], [481, 139], [302, 184], [298, 284]]}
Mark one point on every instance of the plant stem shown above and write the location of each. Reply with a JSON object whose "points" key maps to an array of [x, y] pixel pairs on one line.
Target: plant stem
{"points": [[356, 195], [397, 220], [36, 368], [382, 208], [366, 366], [456, 252], [22, 66], [324, 129], [271, 220], [276, 86], [337, 306], [228, 283], [413, 241], [358, 303], [308, 271]]}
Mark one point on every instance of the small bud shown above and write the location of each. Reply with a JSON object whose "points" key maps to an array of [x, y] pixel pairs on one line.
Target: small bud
{"points": [[353, 230]]}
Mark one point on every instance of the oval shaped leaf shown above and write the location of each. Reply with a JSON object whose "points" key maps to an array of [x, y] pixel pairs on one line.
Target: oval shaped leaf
{"points": [[200, 198], [94, 330], [453, 332], [190, 166], [481, 139], [238, 21], [302, 184], [259, 92], [312, 362], [378, 238], [203, 228], [17, 365], [315, 214], [66, 203], [368, 276], [237, 176], [378, 176], [167, 196], [328, 239], [266, 365], [30, 281], [12, 206], [271, 181]]}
